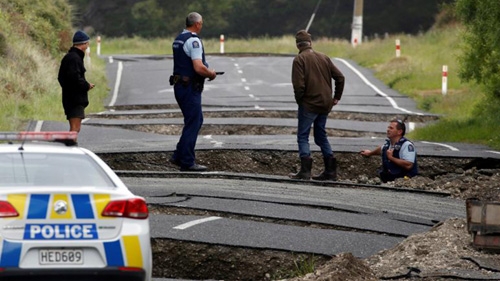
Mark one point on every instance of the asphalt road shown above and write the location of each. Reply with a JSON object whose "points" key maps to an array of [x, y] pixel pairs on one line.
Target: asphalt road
{"points": [[370, 220]]}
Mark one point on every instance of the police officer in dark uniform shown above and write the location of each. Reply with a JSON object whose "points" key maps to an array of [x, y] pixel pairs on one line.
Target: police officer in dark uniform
{"points": [[399, 156], [190, 71]]}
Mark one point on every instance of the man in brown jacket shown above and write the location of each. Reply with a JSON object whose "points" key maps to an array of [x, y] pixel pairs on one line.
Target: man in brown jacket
{"points": [[312, 74]]}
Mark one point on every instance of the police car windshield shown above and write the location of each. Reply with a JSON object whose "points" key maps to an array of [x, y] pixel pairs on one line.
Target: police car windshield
{"points": [[51, 169]]}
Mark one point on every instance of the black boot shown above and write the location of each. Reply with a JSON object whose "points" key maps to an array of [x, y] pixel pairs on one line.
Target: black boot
{"points": [[305, 169], [330, 172]]}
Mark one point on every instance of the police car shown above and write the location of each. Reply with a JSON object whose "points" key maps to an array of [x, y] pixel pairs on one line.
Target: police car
{"points": [[64, 214]]}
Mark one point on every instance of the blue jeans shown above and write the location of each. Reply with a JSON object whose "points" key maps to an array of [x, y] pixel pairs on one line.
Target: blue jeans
{"points": [[189, 102], [306, 120]]}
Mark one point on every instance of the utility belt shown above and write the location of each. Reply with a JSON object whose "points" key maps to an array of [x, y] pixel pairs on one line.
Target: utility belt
{"points": [[174, 79], [197, 81]]}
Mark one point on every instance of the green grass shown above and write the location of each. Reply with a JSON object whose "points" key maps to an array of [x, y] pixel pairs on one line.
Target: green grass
{"points": [[302, 265], [34, 36], [29, 90], [416, 73]]}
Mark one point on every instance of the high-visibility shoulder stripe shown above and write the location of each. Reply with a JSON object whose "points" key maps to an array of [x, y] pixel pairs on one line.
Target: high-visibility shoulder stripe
{"points": [[114, 255], [133, 251], [19, 202], [38, 206], [83, 206], [101, 200], [11, 253], [63, 215]]}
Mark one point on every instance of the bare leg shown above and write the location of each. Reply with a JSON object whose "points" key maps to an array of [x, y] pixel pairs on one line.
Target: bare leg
{"points": [[75, 124]]}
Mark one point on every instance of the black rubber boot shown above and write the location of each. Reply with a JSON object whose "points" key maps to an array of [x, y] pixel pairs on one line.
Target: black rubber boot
{"points": [[305, 169], [330, 172]]}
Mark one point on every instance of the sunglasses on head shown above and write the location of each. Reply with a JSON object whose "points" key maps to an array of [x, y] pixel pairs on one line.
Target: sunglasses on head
{"points": [[402, 124]]}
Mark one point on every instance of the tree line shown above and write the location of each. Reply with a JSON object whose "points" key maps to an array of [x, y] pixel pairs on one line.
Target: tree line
{"points": [[253, 18], [257, 18]]}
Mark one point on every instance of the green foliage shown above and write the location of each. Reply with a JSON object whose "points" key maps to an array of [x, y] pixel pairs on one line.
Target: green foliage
{"points": [[481, 56], [302, 265], [149, 17], [3, 45], [33, 36], [254, 18], [305, 265]]}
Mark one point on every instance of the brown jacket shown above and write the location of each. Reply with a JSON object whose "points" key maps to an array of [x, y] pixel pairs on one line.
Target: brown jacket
{"points": [[312, 74]]}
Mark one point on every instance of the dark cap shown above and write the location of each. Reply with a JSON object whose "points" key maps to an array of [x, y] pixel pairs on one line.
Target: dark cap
{"points": [[80, 37], [302, 36]]}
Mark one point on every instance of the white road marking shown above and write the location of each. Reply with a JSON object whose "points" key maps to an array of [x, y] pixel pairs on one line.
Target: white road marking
{"points": [[215, 142], [166, 90], [247, 88], [243, 80], [195, 222], [117, 83], [377, 90], [442, 144], [281, 84], [110, 59], [492, 151], [38, 127]]}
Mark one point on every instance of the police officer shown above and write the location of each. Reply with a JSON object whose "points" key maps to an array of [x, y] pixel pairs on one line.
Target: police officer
{"points": [[190, 71], [399, 157]]}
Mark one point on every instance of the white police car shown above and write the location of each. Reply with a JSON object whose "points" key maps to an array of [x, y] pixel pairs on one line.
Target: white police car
{"points": [[64, 214]]}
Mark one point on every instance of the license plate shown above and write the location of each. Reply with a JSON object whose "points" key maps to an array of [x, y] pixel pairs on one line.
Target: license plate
{"points": [[60, 256]]}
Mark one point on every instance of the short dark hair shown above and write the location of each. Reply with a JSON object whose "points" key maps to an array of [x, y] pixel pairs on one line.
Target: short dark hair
{"points": [[400, 125]]}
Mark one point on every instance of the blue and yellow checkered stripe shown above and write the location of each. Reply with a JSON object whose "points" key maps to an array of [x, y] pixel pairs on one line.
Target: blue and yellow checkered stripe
{"points": [[125, 251], [80, 206]]}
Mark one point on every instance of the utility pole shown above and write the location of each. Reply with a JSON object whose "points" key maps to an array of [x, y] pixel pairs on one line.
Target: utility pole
{"points": [[357, 23], [312, 16]]}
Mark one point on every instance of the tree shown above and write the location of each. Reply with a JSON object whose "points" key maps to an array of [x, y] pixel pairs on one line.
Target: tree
{"points": [[148, 18], [481, 51]]}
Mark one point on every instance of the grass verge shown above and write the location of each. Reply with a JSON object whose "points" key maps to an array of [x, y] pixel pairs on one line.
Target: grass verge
{"points": [[469, 115]]}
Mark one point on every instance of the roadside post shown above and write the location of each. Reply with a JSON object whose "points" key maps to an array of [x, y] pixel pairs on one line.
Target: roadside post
{"points": [[98, 45], [357, 23], [87, 57], [444, 86], [222, 43], [398, 48]]}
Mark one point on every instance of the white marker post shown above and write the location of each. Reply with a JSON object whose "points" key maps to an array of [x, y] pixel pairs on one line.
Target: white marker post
{"points": [[87, 56], [398, 48], [222, 43], [357, 23], [445, 80], [98, 45]]}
